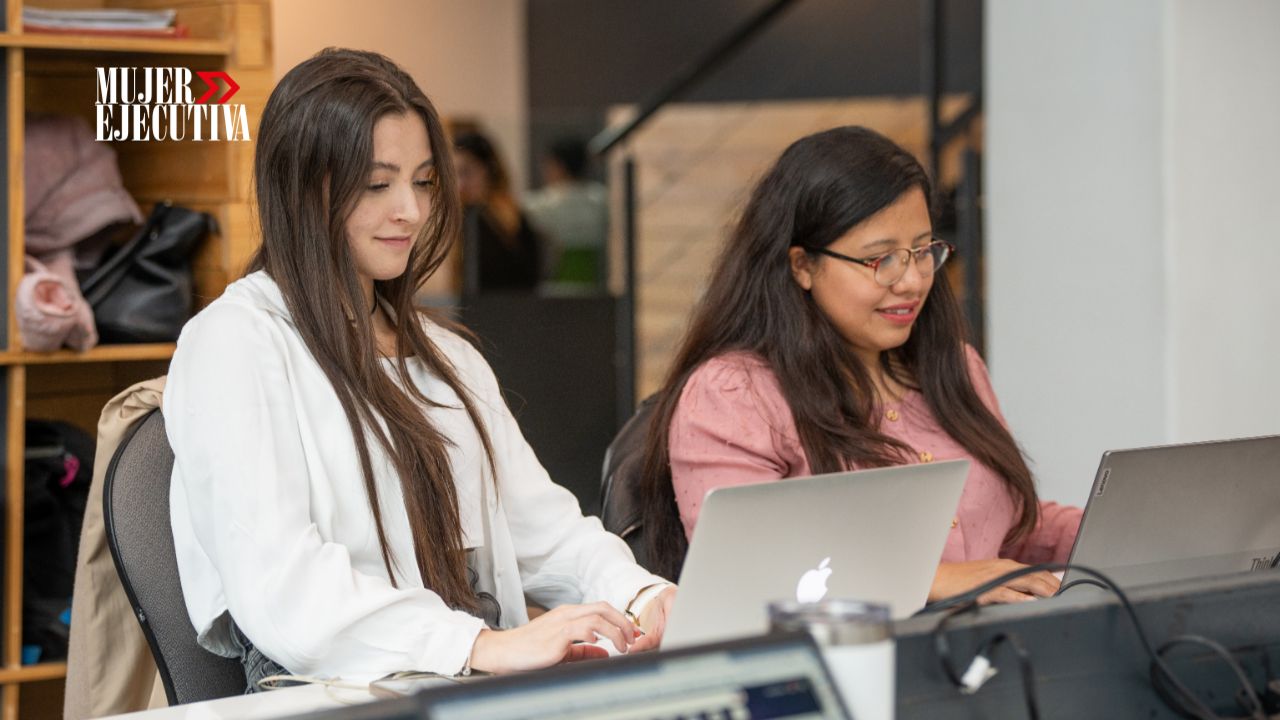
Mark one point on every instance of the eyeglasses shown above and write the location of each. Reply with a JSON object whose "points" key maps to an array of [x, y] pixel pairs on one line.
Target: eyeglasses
{"points": [[890, 267]]}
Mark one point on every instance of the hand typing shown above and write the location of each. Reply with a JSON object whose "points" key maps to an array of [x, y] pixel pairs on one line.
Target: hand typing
{"points": [[957, 577], [553, 638]]}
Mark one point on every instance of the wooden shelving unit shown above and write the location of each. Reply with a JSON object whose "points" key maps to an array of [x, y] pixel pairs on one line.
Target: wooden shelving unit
{"points": [[31, 673], [55, 74], [102, 353], [98, 43]]}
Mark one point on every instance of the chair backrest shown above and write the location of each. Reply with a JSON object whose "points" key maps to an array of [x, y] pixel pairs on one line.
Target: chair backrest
{"points": [[621, 496], [135, 502]]}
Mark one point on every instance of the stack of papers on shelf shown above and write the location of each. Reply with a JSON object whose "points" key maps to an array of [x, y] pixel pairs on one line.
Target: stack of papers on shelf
{"points": [[143, 23]]}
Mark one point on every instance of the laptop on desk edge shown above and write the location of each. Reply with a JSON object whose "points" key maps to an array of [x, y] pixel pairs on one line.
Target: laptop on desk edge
{"points": [[1177, 512], [872, 535]]}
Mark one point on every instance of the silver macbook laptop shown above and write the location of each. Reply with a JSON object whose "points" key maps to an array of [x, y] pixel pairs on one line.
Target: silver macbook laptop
{"points": [[1182, 511], [874, 535]]}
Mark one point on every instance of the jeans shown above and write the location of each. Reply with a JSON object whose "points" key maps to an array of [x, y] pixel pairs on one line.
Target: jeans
{"points": [[256, 665]]}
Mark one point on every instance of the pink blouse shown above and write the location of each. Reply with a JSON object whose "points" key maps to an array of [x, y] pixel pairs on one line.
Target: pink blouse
{"points": [[733, 427]]}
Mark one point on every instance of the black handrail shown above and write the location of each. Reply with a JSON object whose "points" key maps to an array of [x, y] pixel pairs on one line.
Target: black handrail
{"points": [[932, 52], [931, 68], [686, 77], [968, 215], [625, 320], [944, 134], [689, 75]]}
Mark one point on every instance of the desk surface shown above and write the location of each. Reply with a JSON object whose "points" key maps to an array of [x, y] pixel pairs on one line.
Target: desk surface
{"points": [[260, 706]]}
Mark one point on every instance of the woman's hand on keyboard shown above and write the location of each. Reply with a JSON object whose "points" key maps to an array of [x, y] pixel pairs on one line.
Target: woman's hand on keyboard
{"points": [[553, 638], [954, 578]]}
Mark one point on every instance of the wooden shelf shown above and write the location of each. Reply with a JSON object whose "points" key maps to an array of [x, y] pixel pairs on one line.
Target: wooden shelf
{"points": [[100, 354], [105, 43], [30, 673], [54, 73]]}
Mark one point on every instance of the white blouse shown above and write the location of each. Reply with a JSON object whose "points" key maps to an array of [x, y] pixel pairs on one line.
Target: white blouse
{"points": [[271, 521]]}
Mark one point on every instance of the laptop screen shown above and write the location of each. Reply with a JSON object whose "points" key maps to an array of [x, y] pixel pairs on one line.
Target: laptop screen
{"points": [[770, 677], [1178, 512]]}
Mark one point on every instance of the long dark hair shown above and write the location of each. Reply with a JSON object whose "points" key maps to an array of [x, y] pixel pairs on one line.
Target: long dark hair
{"points": [[821, 187], [499, 204], [481, 148], [315, 150]]}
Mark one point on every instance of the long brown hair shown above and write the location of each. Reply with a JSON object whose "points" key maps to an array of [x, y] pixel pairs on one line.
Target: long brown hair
{"points": [[822, 186], [314, 154]]}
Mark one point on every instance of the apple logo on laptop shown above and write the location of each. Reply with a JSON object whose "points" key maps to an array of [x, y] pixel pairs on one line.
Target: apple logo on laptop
{"points": [[813, 584]]}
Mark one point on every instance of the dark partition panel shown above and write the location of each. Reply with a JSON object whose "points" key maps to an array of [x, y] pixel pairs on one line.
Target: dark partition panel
{"points": [[555, 360], [1086, 658]]}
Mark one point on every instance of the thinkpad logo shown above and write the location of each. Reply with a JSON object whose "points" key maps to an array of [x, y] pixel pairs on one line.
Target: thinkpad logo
{"points": [[1263, 563]]}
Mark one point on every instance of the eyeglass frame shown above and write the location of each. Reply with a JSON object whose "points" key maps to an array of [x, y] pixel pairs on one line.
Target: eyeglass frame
{"points": [[874, 263]]}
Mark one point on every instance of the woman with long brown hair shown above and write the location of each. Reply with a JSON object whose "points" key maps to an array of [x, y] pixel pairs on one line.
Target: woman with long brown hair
{"points": [[828, 340], [351, 495]]}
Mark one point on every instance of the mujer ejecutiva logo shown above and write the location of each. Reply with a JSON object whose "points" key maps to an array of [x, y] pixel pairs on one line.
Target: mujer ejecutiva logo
{"points": [[156, 104]]}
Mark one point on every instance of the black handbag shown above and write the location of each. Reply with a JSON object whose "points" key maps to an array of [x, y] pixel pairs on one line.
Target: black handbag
{"points": [[143, 292]]}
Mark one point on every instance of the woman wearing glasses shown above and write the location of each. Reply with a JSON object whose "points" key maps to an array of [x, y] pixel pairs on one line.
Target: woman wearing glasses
{"points": [[828, 340]]}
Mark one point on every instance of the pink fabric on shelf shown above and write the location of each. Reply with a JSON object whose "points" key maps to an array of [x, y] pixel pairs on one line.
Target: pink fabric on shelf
{"points": [[73, 192], [73, 186], [734, 427], [51, 312]]}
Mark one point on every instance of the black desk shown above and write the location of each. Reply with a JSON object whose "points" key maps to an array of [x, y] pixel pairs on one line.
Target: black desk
{"points": [[1087, 659]]}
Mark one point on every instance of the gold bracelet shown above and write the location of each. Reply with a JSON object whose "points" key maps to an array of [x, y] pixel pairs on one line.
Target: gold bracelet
{"points": [[643, 598]]}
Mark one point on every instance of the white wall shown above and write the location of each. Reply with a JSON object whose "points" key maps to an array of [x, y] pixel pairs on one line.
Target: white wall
{"points": [[1223, 210], [468, 55], [1075, 331], [1125, 142]]}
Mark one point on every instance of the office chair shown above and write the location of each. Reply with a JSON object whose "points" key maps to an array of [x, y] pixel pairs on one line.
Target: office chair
{"points": [[621, 497], [135, 504]]}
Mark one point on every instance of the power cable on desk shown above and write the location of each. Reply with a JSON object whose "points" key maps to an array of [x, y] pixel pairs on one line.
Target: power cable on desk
{"points": [[1172, 691], [1248, 695], [980, 668]]}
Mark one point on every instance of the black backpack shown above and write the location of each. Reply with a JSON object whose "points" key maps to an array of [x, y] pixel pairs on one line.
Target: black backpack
{"points": [[58, 471]]}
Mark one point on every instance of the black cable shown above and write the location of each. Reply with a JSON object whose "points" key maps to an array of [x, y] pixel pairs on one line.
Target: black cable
{"points": [[1080, 581], [1028, 677], [1172, 691], [942, 646], [987, 650], [1248, 698]]}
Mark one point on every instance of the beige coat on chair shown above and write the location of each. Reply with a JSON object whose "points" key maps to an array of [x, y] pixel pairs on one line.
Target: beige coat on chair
{"points": [[109, 665]]}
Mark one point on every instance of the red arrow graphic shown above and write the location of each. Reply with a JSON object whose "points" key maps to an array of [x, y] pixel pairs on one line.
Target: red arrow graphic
{"points": [[208, 76]]}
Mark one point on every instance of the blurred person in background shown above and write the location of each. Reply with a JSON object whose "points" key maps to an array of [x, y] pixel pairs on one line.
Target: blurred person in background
{"points": [[496, 235], [571, 212]]}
